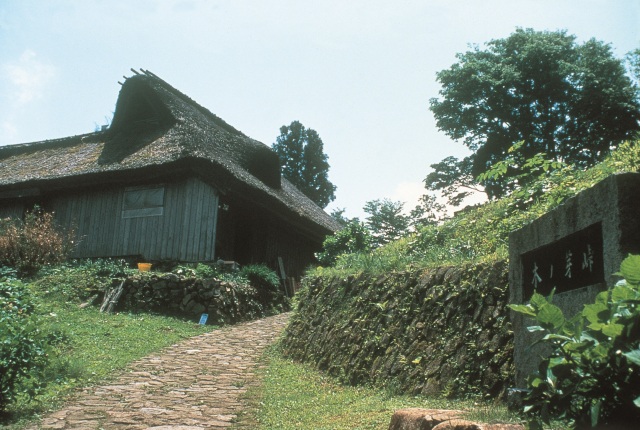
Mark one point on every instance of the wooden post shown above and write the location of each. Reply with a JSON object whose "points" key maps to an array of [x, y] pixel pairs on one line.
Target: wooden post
{"points": [[283, 276]]}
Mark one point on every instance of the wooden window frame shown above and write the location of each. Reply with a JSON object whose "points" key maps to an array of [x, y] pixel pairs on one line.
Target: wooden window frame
{"points": [[143, 205]]}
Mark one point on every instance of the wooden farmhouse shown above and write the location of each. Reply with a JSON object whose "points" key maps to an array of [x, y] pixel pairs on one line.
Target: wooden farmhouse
{"points": [[167, 180]]}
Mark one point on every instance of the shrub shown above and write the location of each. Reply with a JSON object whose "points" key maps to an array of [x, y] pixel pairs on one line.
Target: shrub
{"points": [[353, 238], [208, 271], [29, 244], [22, 347], [591, 376], [266, 282]]}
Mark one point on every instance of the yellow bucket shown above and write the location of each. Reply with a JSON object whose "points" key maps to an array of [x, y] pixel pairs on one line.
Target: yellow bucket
{"points": [[144, 267]]}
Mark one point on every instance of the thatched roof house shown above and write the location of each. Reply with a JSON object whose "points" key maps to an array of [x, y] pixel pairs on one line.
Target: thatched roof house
{"points": [[167, 180]]}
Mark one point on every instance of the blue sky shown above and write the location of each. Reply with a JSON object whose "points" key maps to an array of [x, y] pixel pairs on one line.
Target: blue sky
{"points": [[360, 73]]}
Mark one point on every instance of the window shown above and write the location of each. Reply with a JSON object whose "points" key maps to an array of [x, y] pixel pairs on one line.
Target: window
{"points": [[142, 202]]}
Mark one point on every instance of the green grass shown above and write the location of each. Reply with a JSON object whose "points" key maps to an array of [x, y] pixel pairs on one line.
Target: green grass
{"points": [[93, 347], [294, 396]]}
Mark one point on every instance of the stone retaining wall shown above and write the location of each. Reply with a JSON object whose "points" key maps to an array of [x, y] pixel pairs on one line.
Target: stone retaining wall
{"points": [[441, 331], [173, 294]]}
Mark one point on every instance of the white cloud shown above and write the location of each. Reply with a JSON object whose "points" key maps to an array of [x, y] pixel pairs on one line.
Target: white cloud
{"points": [[28, 77]]}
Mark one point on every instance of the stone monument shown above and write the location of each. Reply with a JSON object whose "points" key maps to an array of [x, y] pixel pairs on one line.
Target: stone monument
{"points": [[576, 249]]}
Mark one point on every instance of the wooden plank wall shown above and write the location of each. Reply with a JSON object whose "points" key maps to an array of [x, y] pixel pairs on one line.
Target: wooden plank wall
{"points": [[296, 251], [11, 209], [185, 231], [262, 238]]}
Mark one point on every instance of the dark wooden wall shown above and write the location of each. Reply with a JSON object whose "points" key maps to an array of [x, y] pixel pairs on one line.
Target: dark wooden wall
{"points": [[250, 235], [11, 209], [192, 227], [185, 231]]}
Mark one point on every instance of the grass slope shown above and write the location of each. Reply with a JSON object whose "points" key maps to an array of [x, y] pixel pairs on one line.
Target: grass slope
{"points": [[294, 396], [91, 347]]}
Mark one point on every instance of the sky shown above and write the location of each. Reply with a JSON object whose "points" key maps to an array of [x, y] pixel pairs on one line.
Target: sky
{"points": [[360, 73]]}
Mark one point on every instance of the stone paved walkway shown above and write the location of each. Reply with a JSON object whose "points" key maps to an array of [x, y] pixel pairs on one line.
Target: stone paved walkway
{"points": [[197, 384]]}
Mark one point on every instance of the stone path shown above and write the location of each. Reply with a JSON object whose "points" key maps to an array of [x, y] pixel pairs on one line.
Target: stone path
{"points": [[197, 384]]}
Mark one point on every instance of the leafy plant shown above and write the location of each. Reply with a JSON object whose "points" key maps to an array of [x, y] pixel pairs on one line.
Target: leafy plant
{"points": [[528, 176], [354, 237], [267, 283], [591, 376], [480, 233], [22, 346]]}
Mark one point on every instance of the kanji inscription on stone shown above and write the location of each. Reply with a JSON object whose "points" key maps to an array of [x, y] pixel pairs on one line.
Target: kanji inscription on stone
{"points": [[575, 261]]}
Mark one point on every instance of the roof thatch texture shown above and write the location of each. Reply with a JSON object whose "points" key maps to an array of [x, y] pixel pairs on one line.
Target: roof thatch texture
{"points": [[157, 126]]}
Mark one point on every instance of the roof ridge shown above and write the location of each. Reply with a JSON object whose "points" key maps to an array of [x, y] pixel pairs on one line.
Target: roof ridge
{"points": [[185, 98]]}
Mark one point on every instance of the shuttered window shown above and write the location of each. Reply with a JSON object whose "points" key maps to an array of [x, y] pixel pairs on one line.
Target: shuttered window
{"points": [[143, 202]]}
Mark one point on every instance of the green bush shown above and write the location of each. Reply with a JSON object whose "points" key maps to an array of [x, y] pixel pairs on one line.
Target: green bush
{"points": [[267, 283], [22, 346], [34, 242], [207, 271], [353, 238], [591, 376]]}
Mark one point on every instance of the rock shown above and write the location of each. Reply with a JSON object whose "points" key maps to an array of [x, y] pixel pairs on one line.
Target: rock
{"points": [[195, 308], [421, 419], [171, 277], [458, 425], [440, 419], [186, 299], [160, 285], [502, 427]]}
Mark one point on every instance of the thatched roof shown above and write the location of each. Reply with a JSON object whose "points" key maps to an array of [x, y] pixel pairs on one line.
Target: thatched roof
{"points": [[157, 129]]}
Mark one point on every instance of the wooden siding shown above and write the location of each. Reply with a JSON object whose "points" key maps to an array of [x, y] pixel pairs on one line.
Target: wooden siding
{"points": [[185, 231], [297, 252], [249, 235], [11, 209]]}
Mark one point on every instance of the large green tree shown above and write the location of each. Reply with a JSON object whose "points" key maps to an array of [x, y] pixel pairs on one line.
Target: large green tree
{"points": [[573, 102], [304, 162]]}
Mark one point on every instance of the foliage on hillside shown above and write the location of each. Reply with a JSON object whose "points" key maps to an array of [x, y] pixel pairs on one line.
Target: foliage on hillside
{"points": [[480, 233]]}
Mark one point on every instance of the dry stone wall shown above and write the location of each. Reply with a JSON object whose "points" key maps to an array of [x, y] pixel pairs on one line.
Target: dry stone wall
{"points": [[440, 331], [172, 294]]}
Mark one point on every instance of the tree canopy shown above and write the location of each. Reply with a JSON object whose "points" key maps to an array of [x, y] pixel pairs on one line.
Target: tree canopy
{"points": [[453, 178], [573, 102], [386, 221], [304, 163]]}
